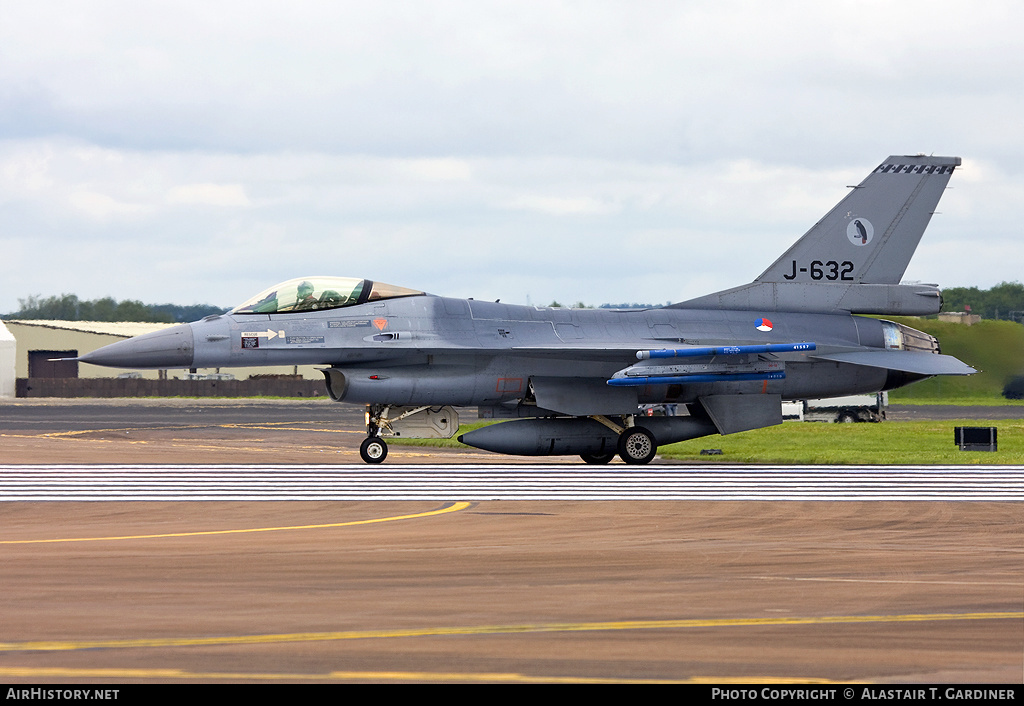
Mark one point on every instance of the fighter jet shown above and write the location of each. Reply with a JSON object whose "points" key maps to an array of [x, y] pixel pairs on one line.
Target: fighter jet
{"points": [[573, 381]]}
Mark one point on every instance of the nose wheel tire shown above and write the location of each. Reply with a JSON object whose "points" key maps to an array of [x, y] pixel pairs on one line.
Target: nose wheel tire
{"points": [[373, 450], [637, 446], [598, 457]]}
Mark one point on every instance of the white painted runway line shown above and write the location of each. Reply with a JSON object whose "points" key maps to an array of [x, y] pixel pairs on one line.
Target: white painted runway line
{"points": [[70, 482]]}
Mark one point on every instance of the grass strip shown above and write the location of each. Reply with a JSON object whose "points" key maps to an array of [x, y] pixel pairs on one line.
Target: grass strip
{"points": [[911, 442]]}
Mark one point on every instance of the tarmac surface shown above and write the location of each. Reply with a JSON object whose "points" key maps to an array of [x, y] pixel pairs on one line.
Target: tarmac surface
{"points": [[490, 591]]}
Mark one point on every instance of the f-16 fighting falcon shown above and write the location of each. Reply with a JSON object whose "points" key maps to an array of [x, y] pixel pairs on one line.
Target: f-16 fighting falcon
{"points": [[572, 381]]}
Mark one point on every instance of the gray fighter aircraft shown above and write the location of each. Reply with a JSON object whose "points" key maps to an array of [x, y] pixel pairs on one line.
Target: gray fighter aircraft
{"points": [[572, 381]]}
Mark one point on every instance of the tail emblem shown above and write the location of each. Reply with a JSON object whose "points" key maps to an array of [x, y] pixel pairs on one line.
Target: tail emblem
{"points": [[763, 325], [859, 231]]}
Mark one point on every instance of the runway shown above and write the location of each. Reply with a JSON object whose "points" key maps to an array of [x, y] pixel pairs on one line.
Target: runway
{"points": [[444, 566], [512, 591], [476, 482]]}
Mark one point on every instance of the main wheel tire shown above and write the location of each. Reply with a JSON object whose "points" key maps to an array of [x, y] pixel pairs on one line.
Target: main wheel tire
{"points": [[847, 418], [598, 458], [637, 446], [373, 450]]}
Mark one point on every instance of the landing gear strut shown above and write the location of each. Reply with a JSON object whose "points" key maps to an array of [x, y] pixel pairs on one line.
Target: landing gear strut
{"points": [[636, 445], [374, 449], [415, 422]]}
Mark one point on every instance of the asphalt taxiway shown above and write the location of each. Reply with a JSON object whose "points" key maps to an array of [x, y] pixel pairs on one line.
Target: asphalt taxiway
{"points": [[477, 589]]}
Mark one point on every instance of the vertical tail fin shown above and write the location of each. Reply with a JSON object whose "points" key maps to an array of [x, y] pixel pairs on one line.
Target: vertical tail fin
{"points": [[854, 258], [870, 236]]}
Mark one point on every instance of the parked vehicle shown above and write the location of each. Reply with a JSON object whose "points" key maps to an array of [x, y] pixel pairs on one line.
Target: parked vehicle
{"points": [[846, 410]]}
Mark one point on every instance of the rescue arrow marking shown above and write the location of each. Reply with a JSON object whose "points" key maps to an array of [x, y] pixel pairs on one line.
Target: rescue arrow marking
{"points": [[268, 334]]}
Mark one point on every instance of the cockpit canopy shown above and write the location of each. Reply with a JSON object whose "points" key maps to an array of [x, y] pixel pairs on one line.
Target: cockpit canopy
{"points": [[318, 293]]}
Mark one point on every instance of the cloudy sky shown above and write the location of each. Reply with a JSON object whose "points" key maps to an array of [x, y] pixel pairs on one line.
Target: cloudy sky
{"points": [[198, 152]]}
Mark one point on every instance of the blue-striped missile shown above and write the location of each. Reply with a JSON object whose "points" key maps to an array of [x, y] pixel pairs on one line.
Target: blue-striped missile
{"points": [[693, 379], [722, 364], [698, 352]]}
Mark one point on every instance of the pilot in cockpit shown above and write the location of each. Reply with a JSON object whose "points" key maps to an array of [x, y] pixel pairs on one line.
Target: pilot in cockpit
{"points": [[305, 299]]}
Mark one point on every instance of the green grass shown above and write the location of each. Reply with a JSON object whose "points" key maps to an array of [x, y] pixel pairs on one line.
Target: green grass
{"points": [[924, 442], [974, 401], [995, 348]]}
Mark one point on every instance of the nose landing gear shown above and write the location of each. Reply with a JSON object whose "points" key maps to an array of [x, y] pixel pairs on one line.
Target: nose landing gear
{"points": [[373, 450]]}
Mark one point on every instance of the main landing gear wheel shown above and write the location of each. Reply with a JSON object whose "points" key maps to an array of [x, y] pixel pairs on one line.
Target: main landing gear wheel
{"points": [[637, 446], [599, 458], [373, 450]]}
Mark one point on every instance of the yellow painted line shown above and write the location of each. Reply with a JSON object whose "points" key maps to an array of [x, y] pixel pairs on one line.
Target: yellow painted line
{"points": [[264, 426], [68, 645], [59, 436], [485, 677], [824, 579], [261, 426], [120, 430], [455, 507]]}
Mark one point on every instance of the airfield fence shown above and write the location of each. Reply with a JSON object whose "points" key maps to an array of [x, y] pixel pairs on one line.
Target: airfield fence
{"points": [[134, 387]]}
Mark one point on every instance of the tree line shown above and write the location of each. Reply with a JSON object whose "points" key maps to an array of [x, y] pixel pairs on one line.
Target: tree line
{"points": [[68, 307], [1003, 301]]}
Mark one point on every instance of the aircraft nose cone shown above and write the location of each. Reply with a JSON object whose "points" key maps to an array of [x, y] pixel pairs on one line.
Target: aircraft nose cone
{"points": [[170, 348]]}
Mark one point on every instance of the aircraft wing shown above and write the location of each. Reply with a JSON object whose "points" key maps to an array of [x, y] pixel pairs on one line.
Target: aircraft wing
{"points": [[906, 361]]}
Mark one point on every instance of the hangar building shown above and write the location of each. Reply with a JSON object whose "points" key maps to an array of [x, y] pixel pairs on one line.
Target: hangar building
{"points": [[31, 349]]}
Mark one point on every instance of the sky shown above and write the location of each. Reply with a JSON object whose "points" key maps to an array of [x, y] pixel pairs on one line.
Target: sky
{"points": [[197, 152]]}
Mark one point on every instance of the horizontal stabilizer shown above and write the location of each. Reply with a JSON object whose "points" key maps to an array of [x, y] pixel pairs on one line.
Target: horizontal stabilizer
{"points": [[905, 361]]}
